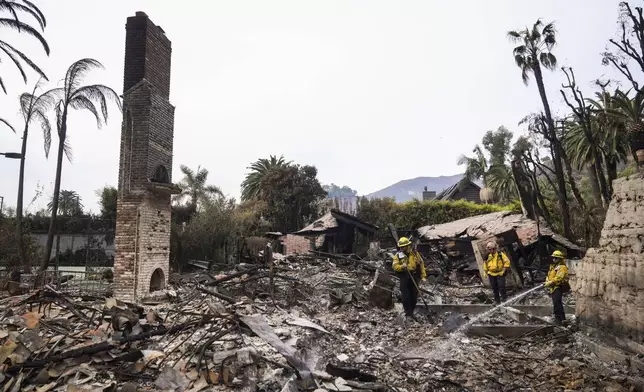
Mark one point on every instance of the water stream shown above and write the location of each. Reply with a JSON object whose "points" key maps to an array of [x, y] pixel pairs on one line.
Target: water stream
{"points": [[450, 345], [479, 316]]}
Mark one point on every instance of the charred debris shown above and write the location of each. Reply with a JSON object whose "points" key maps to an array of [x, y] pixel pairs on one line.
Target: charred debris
{"points": [[317, 321]]}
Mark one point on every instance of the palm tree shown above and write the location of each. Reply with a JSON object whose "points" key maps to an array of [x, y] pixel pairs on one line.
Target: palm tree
{"points": [[612, 133], [476, 168], [630, 112], [501, 181], [74, 95], [533, 52], [251, 186], [33, 109], [69, 203], [14, 7], [194, 187]]}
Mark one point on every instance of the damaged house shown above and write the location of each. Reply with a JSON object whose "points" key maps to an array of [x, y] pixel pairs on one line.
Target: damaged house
{"points": [[335, 232], [527, 242]]}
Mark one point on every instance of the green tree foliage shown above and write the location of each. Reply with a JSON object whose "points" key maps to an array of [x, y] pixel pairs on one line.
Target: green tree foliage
{"points": [[194, 188], [497, 143], [475, 168], [251, 187], [107, 198], [216, 232], [10, 252], [493, 168], [415, 214], [74, 95], [292, 194], [16, 9], [69, 204]]}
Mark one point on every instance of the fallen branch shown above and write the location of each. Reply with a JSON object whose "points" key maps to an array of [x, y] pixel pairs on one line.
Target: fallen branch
{"points": [[216, 294], [233, 275]]}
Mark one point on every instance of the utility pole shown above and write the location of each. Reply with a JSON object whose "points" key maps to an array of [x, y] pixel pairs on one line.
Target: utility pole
{"points": [[1, 204]]}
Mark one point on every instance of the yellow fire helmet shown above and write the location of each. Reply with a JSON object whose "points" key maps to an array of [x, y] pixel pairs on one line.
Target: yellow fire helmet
{"points": [[558, 254], [403, 241]]}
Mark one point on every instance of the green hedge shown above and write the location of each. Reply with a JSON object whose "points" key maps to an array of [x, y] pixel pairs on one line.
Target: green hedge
{"points": [[69, 225], [415, 214]]}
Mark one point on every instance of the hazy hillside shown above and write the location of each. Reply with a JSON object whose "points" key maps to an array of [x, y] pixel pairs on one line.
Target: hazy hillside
{"points": [[406, 190]]}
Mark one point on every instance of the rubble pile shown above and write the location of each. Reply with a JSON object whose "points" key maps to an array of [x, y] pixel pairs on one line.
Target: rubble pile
{"points": [[302, 323]]}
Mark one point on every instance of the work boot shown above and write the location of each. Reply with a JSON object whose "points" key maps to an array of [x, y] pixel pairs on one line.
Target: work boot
{"points": [[557, 321]]}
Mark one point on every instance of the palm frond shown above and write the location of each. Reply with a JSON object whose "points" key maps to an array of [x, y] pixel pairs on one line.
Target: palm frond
{"points": [[188, 173], [8, 48], [67, 148], [81, 102], [5, 122], [76, 72], [35, 8], [45, 124], [501, 180], [214, 190], [515, 36], [15, 60], [549, 33], [548, 60], [100, 93], [25, 28], [202, 176], [13, 8]]}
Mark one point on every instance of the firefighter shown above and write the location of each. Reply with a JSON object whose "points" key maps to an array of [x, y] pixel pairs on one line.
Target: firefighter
{"points": [[495, 267], [410, 268], [557, 284]]}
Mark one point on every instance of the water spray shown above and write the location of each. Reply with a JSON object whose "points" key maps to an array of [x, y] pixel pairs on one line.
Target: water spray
{"points": [[517, 297]]}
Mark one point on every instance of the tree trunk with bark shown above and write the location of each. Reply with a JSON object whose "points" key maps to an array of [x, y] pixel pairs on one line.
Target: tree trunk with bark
{"points": [[524, 189], [572, 182], [594, 184], [559, 173], [19, 202], [54, 207]]}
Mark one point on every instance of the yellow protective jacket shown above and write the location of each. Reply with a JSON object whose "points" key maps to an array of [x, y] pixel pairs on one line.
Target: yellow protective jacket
{"points": [[558, 275], [413, 259], [496, 263]]}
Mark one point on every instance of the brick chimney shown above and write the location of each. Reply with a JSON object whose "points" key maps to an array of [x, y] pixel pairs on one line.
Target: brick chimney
{"points": [[142, 240]]}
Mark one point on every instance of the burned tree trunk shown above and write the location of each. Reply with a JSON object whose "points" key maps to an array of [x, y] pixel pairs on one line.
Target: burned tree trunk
{"points": [[524, 187]]}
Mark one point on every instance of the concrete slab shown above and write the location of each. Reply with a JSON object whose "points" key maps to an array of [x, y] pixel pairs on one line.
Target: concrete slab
{"points": [[515, 314], [534, 310], [542, 310], [623, 343], [604, 353], [510, 331]]}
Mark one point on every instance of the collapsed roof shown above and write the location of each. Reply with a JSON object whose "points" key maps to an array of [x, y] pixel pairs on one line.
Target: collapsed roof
{"points": [[495, 223], [331, 221]]}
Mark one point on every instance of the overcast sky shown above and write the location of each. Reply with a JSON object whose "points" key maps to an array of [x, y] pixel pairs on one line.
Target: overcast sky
{"points": [[371, 92]]}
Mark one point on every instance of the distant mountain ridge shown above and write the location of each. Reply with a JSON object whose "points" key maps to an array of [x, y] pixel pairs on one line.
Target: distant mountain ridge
{"points": [[407, 190]]}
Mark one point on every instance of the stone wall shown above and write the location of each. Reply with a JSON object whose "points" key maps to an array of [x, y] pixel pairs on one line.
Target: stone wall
{"points": [[609, 284], [142, 239]]}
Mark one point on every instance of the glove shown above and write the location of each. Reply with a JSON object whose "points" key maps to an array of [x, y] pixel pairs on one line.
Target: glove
{"points": [[423, 280], [484, 275], [548, 284]]}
